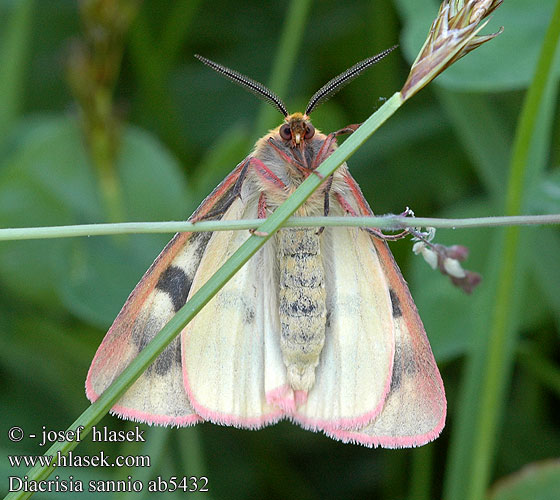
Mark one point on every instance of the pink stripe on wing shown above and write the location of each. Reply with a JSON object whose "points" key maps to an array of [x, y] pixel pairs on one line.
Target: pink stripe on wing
{"points": [[217, 417], [283, 398], [356, 437], [149, 418]]}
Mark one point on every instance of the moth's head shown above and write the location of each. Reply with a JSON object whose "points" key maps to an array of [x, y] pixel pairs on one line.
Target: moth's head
{"points": [[296, 129], [296, 126]]}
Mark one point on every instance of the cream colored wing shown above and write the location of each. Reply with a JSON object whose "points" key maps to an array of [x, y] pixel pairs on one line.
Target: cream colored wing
{"points": [[354, 372], [223, 346], [414, 412], [415, 407], [158, 395]]}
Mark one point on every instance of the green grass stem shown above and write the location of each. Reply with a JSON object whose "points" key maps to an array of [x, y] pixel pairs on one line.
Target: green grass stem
{"points": [[389, 222], [490, 364], [14, 43], [285, 60]]}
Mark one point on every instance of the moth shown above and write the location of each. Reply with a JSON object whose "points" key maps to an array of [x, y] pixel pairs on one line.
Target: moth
{"points": [[318, 327]]}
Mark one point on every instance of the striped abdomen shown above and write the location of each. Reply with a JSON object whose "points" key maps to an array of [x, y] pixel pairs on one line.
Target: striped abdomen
{"points": [[302, 304]]}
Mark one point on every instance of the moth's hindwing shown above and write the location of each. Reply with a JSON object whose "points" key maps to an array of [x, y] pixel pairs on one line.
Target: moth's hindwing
{"points": [[415, 407], [354, 371], [158, 396]]}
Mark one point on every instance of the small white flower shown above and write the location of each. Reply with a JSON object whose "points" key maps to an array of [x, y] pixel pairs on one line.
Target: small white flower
{"points": [[429, 255], [453, 268]]}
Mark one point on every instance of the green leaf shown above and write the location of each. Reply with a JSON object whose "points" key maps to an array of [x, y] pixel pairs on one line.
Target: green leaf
{"points": [[538, 481], [154, 187], [100, 273], [48, 180], [546, 197], [42, 183]]}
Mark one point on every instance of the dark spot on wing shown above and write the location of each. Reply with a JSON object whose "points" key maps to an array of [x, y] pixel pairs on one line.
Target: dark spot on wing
{"points": [[404, 364], [396, 303], [249, 315], [396, 378], [171, 355], [176, 284], [200, 240], [143, 332]]}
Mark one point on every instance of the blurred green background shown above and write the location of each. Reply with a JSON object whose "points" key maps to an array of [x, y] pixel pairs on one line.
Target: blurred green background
{"points": [[106, 116]]}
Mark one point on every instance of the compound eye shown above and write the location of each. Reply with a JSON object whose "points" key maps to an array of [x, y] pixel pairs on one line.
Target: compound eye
{"points": [[310, 132], [285, 132]]}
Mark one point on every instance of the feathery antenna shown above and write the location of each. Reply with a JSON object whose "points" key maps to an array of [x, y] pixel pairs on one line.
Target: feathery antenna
{"points": [[334, 85], [255, 87]]}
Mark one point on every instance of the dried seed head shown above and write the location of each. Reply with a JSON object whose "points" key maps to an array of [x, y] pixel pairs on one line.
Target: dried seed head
{"points": [[453, 34]]}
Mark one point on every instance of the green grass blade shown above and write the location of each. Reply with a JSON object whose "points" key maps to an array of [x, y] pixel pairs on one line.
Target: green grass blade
{"points": [[13, 54], [286, 56], [422, 473], [490, 364]]}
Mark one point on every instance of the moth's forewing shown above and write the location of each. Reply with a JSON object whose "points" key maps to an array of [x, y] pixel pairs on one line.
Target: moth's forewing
{"points": [[415, 407], [158, 396]]}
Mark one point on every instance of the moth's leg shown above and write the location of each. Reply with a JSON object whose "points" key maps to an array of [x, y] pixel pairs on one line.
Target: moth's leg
{"points": [[273, 181], [386, 237], [348, 129], [398, 236], [373, 231], [326, 200], [327, 192], [325, 149], [261, 213]]}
